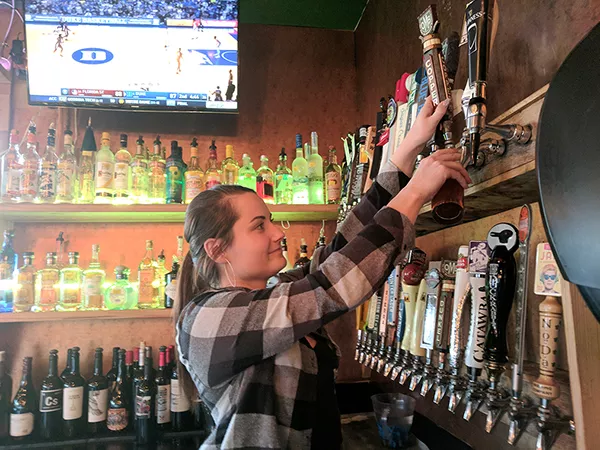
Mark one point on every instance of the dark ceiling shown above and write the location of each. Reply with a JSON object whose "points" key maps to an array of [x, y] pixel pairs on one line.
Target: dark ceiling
{"points": [[331, 14]]}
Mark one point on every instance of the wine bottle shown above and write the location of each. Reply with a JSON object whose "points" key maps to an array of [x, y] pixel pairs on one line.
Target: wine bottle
{"points": [[97, 395], [128, 365], [170, 358], [51, 400], [163, 392], [138, 376], [148, 354], [111, 375], [67, 369], [22, 419], [118, 406], [145, 395], [5, 396], [181, 417], [73, 383]]}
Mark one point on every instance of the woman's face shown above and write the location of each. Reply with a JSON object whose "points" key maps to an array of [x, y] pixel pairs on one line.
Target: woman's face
{"points": [[255, 253]]}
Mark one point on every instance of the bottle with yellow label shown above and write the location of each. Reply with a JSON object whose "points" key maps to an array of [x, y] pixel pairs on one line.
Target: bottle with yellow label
{"points": [[230, 168], [194, 175], [147, 275]]}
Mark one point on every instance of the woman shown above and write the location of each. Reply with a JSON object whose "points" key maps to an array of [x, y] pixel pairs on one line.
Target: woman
{"points": [[259, 357]]}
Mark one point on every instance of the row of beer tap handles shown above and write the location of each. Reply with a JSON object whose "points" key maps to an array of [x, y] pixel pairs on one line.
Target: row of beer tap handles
{"points": [[419, 319]]}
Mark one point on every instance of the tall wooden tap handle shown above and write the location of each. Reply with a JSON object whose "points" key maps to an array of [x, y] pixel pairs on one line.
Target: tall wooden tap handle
{"points": [[545, 386]]}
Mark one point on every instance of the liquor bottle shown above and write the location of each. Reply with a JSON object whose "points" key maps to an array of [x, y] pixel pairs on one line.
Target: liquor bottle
{"points": [[194, 175], [70, 285], [93, 283], [22, 419], [73, 393], [11, 170], [283, 181], [315, 172], [175, 175], [46, 285], [97, 395], [264, 181], [51, 400], [47, 170], [5, 396], [145, 402], [159, 282], [333, 179], [121, 294], [146, 278], [303, 260], [158, 177], [284, 252], [117, 417], [171, 284], [29, 163], [300, 175], [67, 368], [105, 170], [140, 178], [163, 392], [230, 168], [111, 375], [181, 417], [122, 175], [247, 174], [179, 255], [24, 288], [138, 376], [9, 261], [87, 166], [67, 176], [212, 175]]}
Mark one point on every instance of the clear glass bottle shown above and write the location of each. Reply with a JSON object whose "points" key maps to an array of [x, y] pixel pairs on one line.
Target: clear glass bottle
{"points": [[47, 285], [264, 181], [93, 283], [140, 180], [11, 170], [159, 282], [47, 170], [315, 172], [247, 174], [121, 294], [105, 169], [122, 174], [175, 175], [29, 162], [283, 181], [87, 164], [158, 174], [212, 174], [333, 179], [67, 177], [9, 261], [70, 285], [230, 168], [194, 175], [300, 175], [24, 288], [147, 296]]}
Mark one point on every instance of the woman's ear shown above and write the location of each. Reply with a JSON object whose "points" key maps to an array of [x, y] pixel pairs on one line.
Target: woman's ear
{"points": [[212, 247]]}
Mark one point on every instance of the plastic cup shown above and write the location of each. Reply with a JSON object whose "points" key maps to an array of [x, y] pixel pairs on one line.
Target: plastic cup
{"points": [[394, 416]]}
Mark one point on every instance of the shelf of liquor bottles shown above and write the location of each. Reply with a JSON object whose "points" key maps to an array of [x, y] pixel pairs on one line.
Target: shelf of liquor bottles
{"points": [[57, 316], [74, 213]]}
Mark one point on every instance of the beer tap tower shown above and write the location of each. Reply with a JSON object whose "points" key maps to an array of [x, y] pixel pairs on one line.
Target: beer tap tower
{"points": [[549, 421], [500, 288]]}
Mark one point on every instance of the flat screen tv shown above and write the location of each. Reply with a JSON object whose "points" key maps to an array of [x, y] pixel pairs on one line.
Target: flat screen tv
{"points": [[165, 55]]}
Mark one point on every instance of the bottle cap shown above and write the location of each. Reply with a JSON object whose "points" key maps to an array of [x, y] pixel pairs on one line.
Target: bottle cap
{"points": [[229, 151], [157, 140], [105, 135], [30, 255], [194, 142], [123, 141], [298, 140], [89, 141], [99, 350], [213, 147], [282, 155], [140, 140]]}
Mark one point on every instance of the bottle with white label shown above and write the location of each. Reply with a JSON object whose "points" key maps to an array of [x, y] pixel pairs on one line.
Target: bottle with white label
{"points": [[51, 399], [104, 171], [163, 392], [22, 420], [181, 417], [97, 397], [122, 175], [73, 393]]}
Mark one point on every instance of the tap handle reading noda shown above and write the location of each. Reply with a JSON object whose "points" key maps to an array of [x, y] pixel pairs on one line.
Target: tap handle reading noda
{"points": [[545, 386]]}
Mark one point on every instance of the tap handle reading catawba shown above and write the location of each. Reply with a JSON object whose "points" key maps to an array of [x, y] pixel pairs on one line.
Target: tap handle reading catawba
{"points": [[500, 289]]}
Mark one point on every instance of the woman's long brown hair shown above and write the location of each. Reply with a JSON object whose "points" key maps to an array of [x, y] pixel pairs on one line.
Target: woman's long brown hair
{"points": [[210, 215]]}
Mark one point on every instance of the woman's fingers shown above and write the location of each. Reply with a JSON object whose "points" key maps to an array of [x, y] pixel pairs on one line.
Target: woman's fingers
{"points": [[447, 154], [459, 168]]}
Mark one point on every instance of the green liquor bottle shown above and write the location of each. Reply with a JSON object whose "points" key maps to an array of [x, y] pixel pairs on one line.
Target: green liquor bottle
{"points": [[247, 174], [300, 175], [230, 168], [175, 175], [121, 294], [315, 172], [283, 181]]}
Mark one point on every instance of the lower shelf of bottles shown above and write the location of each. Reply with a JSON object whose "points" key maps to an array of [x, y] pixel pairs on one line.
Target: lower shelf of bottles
{"points": [[124, 440], [84, 315]]}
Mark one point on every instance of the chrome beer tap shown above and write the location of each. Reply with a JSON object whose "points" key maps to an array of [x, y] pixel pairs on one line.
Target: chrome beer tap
{"points": [[500, 289], [550, 423]]}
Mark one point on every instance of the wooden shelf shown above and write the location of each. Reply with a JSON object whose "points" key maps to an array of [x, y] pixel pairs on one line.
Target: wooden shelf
{"points": [[84, 315], [67, 213]]}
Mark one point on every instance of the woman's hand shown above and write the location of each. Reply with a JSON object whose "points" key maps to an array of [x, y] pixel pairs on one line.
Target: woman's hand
{"points": [[423, 129], [428, 179]]}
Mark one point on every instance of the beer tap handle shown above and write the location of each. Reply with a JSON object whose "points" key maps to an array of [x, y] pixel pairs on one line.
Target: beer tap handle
{"points": [[545, 387], [415, 344]]}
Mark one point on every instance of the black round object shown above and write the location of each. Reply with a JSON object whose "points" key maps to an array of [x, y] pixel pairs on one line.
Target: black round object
{"points": [[568, 167]]}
